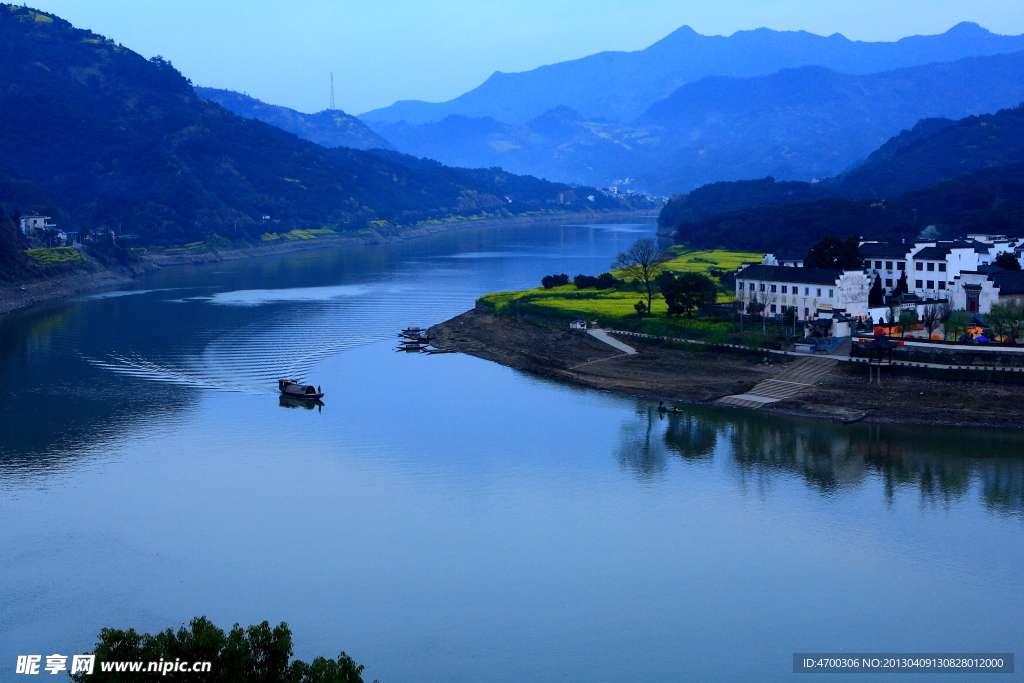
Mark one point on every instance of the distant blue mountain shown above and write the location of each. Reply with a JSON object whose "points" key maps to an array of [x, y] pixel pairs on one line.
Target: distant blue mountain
{"points": [[620, 86], [796, 124], [330, 127]]}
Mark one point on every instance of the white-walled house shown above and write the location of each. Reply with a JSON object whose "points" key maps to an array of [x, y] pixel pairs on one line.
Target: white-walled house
{"points": [[975, 292], [814, 292], [33, 222]]}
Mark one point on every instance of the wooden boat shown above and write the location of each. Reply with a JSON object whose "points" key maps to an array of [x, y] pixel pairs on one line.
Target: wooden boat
{"points": [[416, 337], [291, 387], [414, 330]]}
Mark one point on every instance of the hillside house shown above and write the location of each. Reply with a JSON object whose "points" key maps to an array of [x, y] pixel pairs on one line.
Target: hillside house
{"points": [[31, 223]]}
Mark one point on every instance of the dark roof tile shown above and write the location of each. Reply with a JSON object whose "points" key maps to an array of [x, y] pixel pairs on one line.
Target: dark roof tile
{"points": [[803, 276]]}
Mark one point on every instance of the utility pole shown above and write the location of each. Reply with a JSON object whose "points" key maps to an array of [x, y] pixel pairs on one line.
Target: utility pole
{"points": [[332, 91]]}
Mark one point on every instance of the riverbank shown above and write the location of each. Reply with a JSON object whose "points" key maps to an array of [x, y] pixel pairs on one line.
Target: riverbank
{"points": [[704, 375], [22, 295]]}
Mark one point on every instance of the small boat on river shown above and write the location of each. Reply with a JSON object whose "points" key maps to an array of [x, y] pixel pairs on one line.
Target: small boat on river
{"points": [[292, 388]]}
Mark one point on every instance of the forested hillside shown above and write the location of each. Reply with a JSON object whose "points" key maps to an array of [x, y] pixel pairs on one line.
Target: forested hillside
{"points": [[932, 151], [330, 127], [988, 201], [105, 137]]}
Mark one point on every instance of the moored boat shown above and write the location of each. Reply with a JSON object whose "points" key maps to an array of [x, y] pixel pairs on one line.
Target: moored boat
{"points": [[291, 387]]}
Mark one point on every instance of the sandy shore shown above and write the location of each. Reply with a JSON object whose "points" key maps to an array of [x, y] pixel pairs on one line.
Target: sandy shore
{"points": [[22, 295], [704, 376]]}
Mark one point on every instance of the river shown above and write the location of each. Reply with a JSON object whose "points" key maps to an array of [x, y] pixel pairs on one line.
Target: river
{"points": [[442, 518]]}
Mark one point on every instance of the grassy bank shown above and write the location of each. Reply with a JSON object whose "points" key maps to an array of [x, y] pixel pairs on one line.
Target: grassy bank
{"points": [[614, 307]]}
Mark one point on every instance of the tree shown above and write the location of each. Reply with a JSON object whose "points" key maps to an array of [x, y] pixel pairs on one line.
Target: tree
{"points": [[257, 654], [931, 317], [584, 281], [907, 320], [957, 323], [893, 316], [876, 295], [901, 286], [549, 281], [833, 252], [642, 263], [686, 292], [1005, 259]]}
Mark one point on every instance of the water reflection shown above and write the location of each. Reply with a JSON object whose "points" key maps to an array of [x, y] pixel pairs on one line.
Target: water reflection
{"points": [[288, 402], [941, 464]]}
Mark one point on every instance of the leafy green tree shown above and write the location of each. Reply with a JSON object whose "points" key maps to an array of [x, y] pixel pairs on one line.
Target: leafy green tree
{"points": [[907, 320], [686, 292], [549, 281], [642, 263], [832, 252], [584, 281], [1005, 259], [957, 323], [257, 654]]}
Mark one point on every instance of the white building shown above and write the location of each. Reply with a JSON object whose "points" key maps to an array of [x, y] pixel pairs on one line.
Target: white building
{"points": [[33, 222], [814, 292]]}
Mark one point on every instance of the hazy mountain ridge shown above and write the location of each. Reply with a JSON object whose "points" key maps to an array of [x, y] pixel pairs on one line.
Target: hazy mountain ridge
{"points": [[796, 124], [102, 135], [329, 128], [620, 86]]}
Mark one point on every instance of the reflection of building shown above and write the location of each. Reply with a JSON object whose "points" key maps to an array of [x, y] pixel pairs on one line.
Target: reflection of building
{"points": [[31, 223]]}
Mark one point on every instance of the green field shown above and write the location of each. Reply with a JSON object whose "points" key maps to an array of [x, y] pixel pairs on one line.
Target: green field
{"points": [[614, 307], [55, 255]]}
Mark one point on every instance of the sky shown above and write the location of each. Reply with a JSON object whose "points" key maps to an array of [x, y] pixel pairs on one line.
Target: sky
{"points": [[380, 51]]}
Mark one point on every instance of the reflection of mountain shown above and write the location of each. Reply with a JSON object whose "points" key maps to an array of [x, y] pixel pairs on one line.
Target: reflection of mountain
{"points": [[942, 464], [58, 407]]}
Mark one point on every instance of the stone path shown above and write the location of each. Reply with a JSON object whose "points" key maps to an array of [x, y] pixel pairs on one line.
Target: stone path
{"points": [[611, 341], [798, 377]]}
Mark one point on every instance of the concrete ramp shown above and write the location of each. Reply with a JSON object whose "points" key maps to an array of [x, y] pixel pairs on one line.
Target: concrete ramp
{"points": [[797, 378], [611, 341]]}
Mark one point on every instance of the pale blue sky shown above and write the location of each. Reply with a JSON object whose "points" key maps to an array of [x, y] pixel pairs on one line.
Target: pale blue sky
{"points": [[281, 51]]}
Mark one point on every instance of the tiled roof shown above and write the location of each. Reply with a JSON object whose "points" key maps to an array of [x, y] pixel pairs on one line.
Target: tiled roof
{"points": [[884, 250], [932, 254], [1009, 281], [803, 276]]}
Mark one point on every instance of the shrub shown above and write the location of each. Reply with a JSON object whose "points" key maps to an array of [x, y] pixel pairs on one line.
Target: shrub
{"points": [[584, 281], [550, 281]]}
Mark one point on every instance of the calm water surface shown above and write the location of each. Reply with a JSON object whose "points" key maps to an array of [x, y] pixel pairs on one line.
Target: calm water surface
{"points": [[447, 519]]}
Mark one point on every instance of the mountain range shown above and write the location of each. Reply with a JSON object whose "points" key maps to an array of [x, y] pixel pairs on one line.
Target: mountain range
{"points": [[620, 86], [96, 135], [799, 124]]}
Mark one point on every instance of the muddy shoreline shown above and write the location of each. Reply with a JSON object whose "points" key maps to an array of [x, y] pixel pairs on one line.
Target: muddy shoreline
{"points": [[22, 295], [703, 376]]}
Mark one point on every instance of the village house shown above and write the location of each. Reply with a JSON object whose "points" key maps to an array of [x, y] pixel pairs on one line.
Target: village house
{"points": [[814, 292], [959, 272], [31, 223]]}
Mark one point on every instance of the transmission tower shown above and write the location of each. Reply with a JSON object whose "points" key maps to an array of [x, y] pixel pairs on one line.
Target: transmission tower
{"points": [[332, 91]]}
